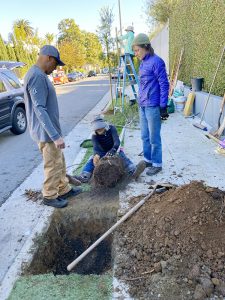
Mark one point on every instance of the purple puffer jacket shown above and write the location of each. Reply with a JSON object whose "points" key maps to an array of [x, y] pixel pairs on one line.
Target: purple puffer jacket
{"points": [[154, 84]]}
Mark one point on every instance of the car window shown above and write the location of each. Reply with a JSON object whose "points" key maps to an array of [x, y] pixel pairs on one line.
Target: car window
{"points": [[12, 79], [2, 87]]}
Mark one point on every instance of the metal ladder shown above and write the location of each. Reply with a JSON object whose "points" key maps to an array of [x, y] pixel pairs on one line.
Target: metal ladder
{"points": [[124, 70]]}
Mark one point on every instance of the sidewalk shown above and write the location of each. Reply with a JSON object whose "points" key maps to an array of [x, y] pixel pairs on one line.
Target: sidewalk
{"points": [[187, 154], [22, 220]]}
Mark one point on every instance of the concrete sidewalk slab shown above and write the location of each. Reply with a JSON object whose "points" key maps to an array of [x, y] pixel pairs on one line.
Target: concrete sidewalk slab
{"points": [[22, 220], [187, 154]]}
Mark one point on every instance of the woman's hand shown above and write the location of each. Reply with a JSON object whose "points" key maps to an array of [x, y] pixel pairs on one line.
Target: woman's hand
{"points": [[163, 113], [96, 159], [111, 152]]}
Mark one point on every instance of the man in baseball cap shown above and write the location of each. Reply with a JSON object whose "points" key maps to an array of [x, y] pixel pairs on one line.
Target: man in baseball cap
{"points": [[51, 51], [43, 120]]}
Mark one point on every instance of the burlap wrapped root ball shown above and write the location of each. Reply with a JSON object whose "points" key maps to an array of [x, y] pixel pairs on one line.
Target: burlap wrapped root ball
{"points": [[108, 171]]}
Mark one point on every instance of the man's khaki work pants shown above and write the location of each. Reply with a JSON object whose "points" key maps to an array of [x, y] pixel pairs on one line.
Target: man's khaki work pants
{"points": [[55, 181]]}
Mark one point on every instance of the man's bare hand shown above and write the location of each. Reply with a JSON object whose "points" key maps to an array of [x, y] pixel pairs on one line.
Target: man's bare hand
{"points": [[60, 143], [96, 159]]}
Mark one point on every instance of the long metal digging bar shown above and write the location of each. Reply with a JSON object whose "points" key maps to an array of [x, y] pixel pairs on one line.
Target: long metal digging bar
{"points": [[124, 218]]}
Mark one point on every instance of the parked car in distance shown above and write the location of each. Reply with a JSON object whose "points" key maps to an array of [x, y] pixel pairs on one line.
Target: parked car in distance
{"points": [[91, 73], [82, 76], [60, 77], [72, 76], [12, 106], [114, 75]]}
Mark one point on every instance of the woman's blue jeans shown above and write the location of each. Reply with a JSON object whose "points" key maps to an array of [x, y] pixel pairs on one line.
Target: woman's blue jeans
{"points": [[150, 122]]}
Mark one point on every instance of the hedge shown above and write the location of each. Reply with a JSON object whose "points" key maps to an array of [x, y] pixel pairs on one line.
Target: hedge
{"points": [[199, 27]]}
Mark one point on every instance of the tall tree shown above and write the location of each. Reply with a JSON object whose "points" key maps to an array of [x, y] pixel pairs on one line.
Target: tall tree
{"points": [[49, 37], [158, 11], [70, 31], [105, 29], [104, 33], [22, 30], [71, 43], [3, 50], [11, 53], [93, 48], [71, 55]]}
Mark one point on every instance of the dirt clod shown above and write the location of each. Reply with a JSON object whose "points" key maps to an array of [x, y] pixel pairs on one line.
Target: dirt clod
{"points": [[182, 241], [215, 281], [108, 172], [33, 195]]}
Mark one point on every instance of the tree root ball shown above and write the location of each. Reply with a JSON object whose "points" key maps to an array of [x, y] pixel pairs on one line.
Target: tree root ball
{"points": [[108, 171]]}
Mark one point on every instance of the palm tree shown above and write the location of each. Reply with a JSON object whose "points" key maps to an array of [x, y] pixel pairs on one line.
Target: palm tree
{"points": [[22, 29], [49, 38]]}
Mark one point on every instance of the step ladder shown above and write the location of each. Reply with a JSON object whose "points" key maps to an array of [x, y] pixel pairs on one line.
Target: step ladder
{"points": [[128, 73]]}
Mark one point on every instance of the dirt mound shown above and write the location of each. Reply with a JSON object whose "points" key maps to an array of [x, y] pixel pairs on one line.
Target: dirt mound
{"points": [[108, 172], [174, 246]]}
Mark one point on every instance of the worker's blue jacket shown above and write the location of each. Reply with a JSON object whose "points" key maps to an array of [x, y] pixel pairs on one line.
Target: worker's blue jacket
{"points": [[154, 84]]}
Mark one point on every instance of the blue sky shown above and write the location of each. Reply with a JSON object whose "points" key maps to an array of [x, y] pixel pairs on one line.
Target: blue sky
{"points": [[46, 14]]}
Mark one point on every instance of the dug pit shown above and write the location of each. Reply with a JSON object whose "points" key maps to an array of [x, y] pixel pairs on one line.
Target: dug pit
{"points": [[71, 232]]}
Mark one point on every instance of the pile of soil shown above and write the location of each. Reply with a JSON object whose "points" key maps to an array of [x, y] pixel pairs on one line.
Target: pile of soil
{"points": [[174, 246], [108, 172]]}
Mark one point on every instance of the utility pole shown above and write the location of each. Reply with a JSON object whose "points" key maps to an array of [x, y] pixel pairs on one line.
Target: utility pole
{"points": [[120, 17], [117, 44]]}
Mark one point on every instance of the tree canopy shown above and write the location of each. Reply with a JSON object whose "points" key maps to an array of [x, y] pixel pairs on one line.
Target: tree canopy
{"points": [[77, 47]]}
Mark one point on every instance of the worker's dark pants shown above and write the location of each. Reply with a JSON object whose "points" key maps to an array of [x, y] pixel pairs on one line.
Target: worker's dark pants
{"points": [[128, 164]]}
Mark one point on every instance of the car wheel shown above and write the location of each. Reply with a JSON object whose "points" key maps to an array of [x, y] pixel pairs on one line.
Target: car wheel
{"points": [[19, 121]]}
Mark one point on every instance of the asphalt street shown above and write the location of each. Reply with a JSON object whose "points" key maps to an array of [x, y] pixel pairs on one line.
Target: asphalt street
{"points": [[19, 155]]}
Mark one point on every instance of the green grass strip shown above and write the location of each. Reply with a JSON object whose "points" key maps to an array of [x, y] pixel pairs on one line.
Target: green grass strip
{"points": [[66, 287]]}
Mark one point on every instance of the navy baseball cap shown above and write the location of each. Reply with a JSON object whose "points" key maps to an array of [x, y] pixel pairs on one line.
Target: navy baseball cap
{"points": [[51, 51]]}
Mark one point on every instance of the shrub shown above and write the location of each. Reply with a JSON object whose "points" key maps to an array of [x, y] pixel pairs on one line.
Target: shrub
{"points": [[199, 27]]}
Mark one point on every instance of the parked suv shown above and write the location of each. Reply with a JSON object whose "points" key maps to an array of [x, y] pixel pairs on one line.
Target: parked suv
{"points": [[12, 107]]}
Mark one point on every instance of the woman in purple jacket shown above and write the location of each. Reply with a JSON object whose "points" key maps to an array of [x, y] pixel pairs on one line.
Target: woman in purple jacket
{"points": [[153, 98]]}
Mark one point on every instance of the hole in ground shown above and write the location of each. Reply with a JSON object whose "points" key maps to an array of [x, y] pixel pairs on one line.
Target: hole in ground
{"points": [[70, 233]]}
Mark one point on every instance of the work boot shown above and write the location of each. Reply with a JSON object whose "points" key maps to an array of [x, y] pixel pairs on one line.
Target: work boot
{"points": [[57, 202], [72, 193], [153, 170], [140, 167], [148, 164]]}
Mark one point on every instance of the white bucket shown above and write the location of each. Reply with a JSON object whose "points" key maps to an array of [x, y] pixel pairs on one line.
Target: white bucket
{"points": [[180, 103]]}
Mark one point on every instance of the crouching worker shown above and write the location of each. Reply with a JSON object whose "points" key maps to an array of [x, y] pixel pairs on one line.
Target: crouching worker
{"points": [[106, 142]]}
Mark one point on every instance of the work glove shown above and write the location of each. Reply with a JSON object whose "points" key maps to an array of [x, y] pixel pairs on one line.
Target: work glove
{"points": [[96, 159], [163, 113], [111, 152]]}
